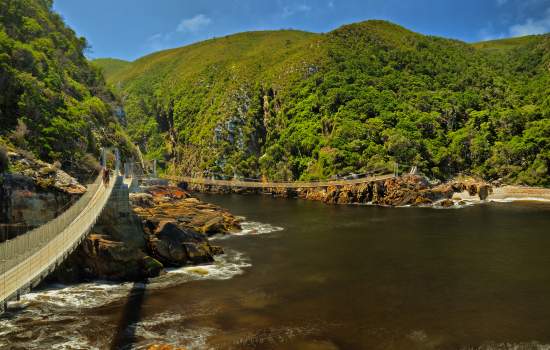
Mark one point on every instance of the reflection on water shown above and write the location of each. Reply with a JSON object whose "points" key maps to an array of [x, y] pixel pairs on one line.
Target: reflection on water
{"points": [[336, 277]]}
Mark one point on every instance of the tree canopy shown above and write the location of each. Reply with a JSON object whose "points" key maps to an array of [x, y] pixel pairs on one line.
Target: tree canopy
{"points": [[54, 103]]}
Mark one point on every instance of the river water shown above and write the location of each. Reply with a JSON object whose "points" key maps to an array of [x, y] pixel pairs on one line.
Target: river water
{"points": [[304, 275]]}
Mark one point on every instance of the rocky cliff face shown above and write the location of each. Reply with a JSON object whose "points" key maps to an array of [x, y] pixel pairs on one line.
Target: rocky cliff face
{"points": [[35, 192]]}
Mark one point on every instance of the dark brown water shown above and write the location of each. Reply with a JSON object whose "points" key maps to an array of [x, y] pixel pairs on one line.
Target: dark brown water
{"points": [[335, 277]]}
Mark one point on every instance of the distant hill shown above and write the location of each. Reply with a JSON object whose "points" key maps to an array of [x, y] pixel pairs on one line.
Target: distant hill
{"points": [[111, 66], [297, 105], [53, 103]]}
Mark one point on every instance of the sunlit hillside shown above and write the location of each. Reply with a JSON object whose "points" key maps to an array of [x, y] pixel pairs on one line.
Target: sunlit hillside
{"points": [[296, 105]]}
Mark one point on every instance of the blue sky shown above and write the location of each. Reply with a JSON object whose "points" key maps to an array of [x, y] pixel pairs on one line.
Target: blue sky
{"points": [[129, 29]]}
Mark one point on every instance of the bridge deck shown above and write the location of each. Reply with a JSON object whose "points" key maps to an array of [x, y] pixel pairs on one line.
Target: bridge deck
{"points": [[27, 259], [251, 184]]}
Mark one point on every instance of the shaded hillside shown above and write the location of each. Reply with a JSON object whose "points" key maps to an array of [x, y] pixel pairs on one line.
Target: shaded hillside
{"points": [[53, 102], [295, 105]]}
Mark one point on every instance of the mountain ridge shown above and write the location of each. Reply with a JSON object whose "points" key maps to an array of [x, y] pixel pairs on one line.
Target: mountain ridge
{"points": [[299, 105]]}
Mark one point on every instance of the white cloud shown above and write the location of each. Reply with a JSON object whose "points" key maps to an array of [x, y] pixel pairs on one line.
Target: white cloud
{"points": [[487, 34], [155, 37], [194, 24], [532, 26], [159, 41], [331, 4], [501, 2], [292, 10]]}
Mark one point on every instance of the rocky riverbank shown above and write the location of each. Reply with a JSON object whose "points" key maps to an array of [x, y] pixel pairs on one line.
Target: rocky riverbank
{"points": [[408, 190], [167, 227], [161, 227]]}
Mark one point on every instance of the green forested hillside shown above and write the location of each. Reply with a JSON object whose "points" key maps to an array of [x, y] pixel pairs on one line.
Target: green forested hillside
{"points": [[52, 101], [295, 105]]}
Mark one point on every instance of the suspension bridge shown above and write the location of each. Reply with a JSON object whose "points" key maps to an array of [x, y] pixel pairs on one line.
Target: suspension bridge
{"points": [[252, 183], [352, 179], [27, 259]]}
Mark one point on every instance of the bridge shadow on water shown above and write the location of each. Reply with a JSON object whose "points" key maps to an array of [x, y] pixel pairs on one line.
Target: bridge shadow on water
{"points": [[125, 332]]}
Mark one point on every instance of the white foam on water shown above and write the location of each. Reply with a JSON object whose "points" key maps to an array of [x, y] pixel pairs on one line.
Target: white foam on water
{"points": [[251, 228], [519, 199], [93, 295], [226, 266], [457, 204], [84, 295]]}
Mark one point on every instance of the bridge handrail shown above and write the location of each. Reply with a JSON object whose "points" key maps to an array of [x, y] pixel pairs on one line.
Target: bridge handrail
{"points": [[37, 248], [250, 184]]}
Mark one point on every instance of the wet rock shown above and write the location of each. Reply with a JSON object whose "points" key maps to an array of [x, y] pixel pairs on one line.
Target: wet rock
{"points": [[446, 203], [213, 225], [99, 256], [151, 266], [423, 201], [484, 191], [176, 246]]}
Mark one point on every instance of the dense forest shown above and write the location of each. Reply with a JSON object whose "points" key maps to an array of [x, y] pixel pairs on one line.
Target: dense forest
{"points": [[296, 105], [54, 104], [282, 104]]}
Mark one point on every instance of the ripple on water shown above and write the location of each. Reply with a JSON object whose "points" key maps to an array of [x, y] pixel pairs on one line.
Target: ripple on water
{"points": [[166, 328]]}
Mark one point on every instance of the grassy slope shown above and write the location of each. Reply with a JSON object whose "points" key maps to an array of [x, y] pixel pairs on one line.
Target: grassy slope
{"points": [[506, 44], [237, 52], [111, 66]]}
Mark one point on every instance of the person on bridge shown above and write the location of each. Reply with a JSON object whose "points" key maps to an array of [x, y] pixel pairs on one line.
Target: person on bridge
{"points": [[106, 175]]}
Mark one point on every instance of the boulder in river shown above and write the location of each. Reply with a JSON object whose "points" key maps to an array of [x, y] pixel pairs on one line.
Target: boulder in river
{"points": [[174, 245]]}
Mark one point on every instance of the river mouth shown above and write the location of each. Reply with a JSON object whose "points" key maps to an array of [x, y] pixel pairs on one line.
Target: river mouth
{"points": [[305, 275]]}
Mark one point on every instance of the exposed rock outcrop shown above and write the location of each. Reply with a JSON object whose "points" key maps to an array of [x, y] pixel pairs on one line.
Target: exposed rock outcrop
{"points": [[169, 203], [34, 192], [413, 190]]}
